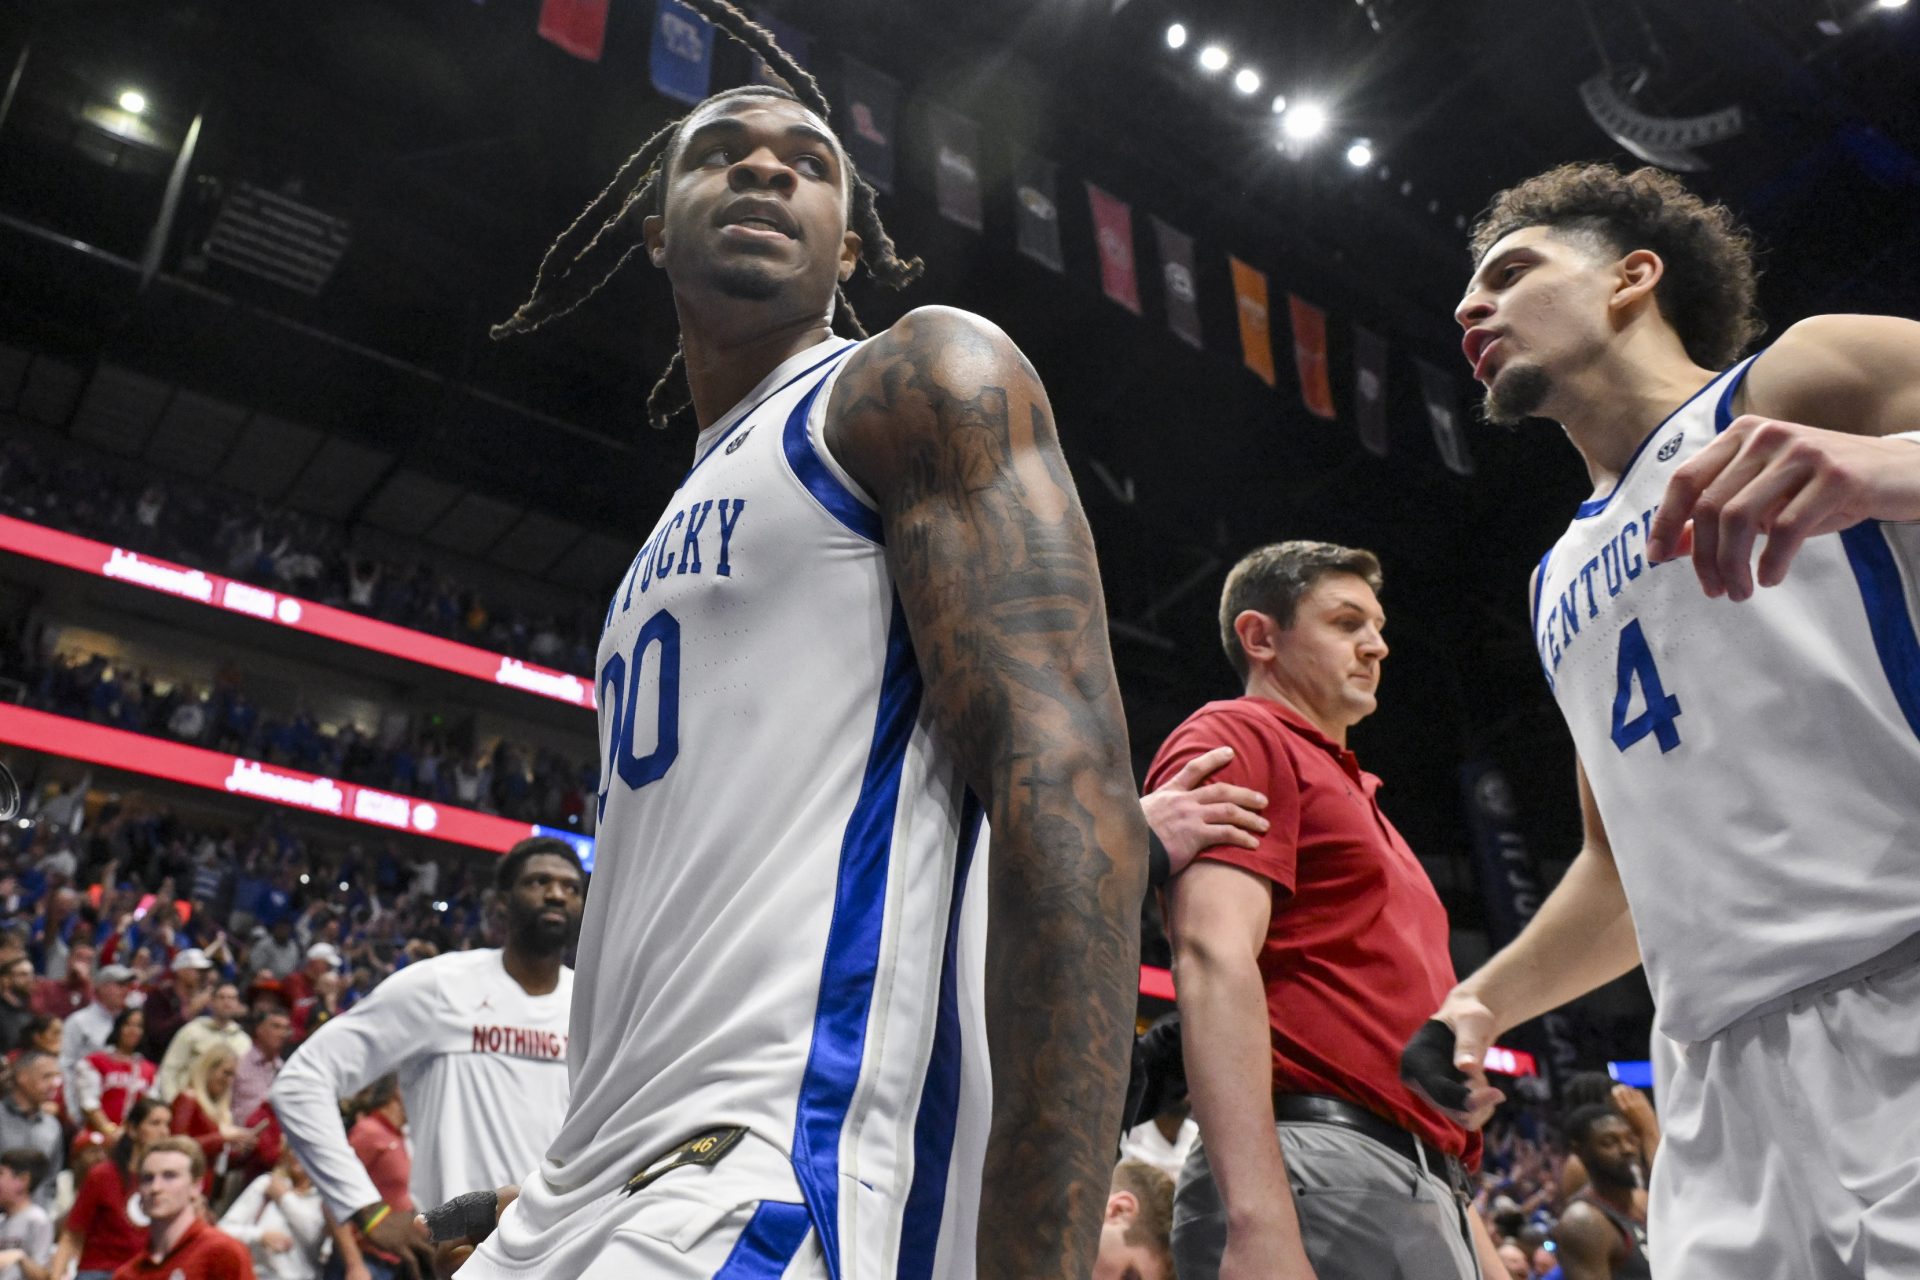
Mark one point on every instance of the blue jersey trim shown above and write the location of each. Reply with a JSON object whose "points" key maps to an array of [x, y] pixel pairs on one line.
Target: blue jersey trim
{"points": [[933, 1127], [827, 488], [1594, 506], [1887, 614], [1539, 593], [853, 946], [771, 1238], [715, 446], [1723, 412]]}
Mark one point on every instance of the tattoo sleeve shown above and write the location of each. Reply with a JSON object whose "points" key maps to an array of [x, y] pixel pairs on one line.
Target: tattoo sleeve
{"points": [[948, 427]]}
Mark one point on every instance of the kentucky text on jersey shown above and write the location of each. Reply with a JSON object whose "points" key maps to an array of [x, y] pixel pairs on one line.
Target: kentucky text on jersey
{"points": [[521, 1042], [1621, 561], [677, 549]]}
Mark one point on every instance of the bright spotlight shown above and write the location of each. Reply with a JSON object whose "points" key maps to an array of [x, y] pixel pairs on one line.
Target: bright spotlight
{"points": [[133, 102], [1247, 81], [1304, 121], [1279, 103], [1176, 36], [1892, 4], [1360, 154], [1213, 58]]}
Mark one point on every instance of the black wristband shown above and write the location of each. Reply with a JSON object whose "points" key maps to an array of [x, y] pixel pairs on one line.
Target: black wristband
{"points": [[1159, 866], [470, 1217]]}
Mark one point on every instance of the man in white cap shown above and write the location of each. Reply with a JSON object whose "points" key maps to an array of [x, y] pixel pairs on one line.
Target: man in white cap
{"points": [[88, 1028], [323, 958], [171, 1006]]}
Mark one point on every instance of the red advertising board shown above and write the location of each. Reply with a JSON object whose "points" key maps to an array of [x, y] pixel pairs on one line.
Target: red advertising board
{"points": [[211, 589], [237, 775]]}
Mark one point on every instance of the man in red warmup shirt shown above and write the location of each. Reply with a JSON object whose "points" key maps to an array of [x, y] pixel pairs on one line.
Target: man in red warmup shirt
{"points": [[1304, 963]]}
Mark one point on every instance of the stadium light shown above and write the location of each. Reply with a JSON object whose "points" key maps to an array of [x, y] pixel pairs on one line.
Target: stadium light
{"points": [[1360, 154], [1892, 4], [1176, 36], [1304, 121], [133, 102], [1247, 81], [1213, 58]]}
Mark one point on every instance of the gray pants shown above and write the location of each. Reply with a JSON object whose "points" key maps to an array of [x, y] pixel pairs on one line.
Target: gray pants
{"points": [[1366, 1212]]}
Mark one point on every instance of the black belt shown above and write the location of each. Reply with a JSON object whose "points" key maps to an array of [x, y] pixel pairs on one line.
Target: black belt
{"points": [[1313, 1108]]}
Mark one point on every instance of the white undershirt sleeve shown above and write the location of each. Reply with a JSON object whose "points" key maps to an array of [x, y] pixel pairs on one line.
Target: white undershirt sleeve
{"points": [[345, 1055]]}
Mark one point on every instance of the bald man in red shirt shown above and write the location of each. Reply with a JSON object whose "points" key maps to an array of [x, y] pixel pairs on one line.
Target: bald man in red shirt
{"points": [[1302, 964]]}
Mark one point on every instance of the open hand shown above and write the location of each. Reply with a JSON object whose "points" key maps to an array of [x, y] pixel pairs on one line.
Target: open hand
{"points": [[1190, 814]]}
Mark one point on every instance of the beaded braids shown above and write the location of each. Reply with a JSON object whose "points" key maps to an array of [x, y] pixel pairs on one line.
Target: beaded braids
{"points": [[586, 256]]}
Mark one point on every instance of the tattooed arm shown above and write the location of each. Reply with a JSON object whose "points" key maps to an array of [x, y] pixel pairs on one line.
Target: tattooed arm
{"points": [[946, 425]]}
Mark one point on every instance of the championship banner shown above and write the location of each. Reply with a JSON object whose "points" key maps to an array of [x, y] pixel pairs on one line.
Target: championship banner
{"points": [[1256, 337], [682, 61], [1510, 886], [1310, 356], [1176, 269], [789, 37], [956, 167], [1443, 411], [873, 107], [1113, 233], [578, 26], [1036, 210], [1370, 385]]}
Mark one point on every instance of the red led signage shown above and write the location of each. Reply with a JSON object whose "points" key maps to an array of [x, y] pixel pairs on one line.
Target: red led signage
{"points": [[237, 775], [215, 591]]}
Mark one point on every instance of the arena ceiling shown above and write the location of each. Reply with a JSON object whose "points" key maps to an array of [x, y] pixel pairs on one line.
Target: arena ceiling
{"points": [[450, 144]]}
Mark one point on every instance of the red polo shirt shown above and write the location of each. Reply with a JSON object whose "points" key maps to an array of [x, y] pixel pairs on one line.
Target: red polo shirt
{"points": [[1356, 952], [204, 1253]]}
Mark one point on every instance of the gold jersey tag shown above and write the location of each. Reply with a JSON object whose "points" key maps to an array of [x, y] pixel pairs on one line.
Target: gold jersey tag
{"points": [[705, 1148]]}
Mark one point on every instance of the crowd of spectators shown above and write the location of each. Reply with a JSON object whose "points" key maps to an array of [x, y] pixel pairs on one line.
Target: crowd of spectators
{"points": [[445, 764], [153, 973], [218, 530]]}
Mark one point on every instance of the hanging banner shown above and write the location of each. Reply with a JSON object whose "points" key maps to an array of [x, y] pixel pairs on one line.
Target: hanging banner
{"points": [[1036, 210], [956, 167], [797, 43], [1250, 300], [1370, 387], [1310, 356], [578, 26], [1443, 411], [1176, 270], [1113, 233], [873, 106], [1510, 891], [682, 61]]}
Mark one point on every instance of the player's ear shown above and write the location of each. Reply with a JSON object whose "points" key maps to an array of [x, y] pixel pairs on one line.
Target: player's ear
{"points": [[1122, 1206], [849, 254], [653, 229], [1635, 277]]}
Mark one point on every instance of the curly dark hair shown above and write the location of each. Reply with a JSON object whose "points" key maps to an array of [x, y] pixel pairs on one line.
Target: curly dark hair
{"points": [[1708, 291], [587, 255]]}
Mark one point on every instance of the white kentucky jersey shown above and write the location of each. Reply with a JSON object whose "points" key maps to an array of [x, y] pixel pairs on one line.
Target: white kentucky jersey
{"points": [[482, 1068], [1756, 764], [774, 938]]}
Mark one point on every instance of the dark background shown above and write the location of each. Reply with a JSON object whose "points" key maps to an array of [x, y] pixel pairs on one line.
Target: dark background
{"points": [[457, 144]]}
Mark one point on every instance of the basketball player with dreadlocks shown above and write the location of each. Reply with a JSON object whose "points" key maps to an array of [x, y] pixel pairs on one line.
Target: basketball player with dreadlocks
{"points": [[1749, 759], [868, 629]]}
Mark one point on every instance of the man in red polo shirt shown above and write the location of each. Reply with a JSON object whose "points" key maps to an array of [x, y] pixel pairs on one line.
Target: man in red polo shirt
{"points": [[180, 1245], [1304, 963]]}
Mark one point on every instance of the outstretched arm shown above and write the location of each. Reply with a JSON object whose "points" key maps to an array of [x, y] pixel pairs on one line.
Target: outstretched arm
{"points": [[945, 423]]}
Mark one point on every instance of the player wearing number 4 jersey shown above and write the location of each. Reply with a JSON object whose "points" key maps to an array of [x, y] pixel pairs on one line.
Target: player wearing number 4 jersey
{"points": [[1750, 759], [867, 628]]}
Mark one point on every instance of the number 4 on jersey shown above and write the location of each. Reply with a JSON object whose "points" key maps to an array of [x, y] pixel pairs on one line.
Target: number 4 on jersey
{"points": [[1662, 708]]}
